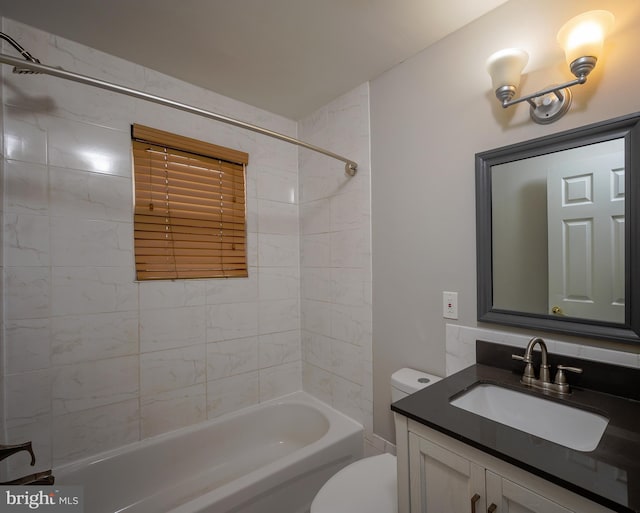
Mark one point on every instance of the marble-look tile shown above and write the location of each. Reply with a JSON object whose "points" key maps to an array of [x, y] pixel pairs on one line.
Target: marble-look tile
{"points": [[88, 290], [26, 293], [279, 155], [86, 195], [347, 361], [27, 346], [352, 324], [252, 215], [348, 286], [350, 248], [172, 294], [27, 395], [233, 290], [601, 354], [278, 283], [460, 347], [280, 380], [316, 316], [86, 242], [26, 240], [26, 187], [315, 217], [85, 338], [347, 210], [80, 434], [315, 250], [275, 250], [169, 328], [316, 350], [279, 348], [316, 284], [97, 383], [252, 251], [313, 128], [276, 185], [231, 357], [317, 382], [323, 178], [232, 393], [24, 138], [172, 369], [231, 321], [173, 409], [347, 397], [76, 145], [276, 217], [278, 315]]}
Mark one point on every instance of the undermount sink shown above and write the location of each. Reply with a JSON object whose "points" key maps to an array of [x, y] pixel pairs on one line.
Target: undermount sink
{"points": [[556, 422]]}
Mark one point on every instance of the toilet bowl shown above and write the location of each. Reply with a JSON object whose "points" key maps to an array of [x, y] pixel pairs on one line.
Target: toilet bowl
{"points": [[370, 485]]}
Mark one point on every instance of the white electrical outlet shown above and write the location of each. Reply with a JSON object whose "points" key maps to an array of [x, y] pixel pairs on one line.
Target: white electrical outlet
{"points": [[450, 305]]}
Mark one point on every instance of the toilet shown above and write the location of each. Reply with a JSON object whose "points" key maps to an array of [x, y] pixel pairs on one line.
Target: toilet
{"points": [[369, 485]]}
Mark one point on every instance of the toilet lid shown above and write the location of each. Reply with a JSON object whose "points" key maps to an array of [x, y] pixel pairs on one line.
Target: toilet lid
{"points": [[367, 486]]}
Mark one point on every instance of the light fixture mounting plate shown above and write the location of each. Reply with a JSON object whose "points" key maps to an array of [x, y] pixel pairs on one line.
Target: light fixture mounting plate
{"points": [[550, 107]]}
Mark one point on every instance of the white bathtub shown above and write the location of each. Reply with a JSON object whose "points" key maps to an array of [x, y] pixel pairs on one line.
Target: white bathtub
{"points": [[272, 457]]}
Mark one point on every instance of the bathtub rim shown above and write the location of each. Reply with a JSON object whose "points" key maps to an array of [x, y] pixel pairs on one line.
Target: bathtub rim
{"points": [[343, 425]]}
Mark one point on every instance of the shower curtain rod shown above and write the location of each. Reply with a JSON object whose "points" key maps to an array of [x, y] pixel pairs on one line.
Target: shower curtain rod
{"points": [[350, 167]]}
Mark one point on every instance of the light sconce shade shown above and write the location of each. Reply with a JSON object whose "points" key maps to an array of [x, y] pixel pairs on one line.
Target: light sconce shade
{"points": [[505, 67], [582, 38]]}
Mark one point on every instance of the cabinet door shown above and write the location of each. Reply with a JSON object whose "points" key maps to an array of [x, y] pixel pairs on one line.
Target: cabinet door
{"points": [[442, 481], [509, 497]]}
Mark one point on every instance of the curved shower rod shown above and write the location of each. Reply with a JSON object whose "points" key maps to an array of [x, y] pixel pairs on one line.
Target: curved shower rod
{"points": [[29, 66]]}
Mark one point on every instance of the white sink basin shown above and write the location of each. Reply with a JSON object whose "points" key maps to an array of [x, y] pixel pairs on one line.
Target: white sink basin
{"points": [[559, 423]]}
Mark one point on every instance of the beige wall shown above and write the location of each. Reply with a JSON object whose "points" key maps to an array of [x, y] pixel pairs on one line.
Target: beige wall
{"points": [[429, 116]]}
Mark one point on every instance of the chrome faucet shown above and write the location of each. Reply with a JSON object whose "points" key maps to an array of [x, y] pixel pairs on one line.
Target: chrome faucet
{"points": [[559, 385], [8, 450], [39, 478]]}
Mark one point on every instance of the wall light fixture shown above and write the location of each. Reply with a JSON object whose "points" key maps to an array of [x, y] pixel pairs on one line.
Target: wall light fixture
{"points": [[581, 37]]}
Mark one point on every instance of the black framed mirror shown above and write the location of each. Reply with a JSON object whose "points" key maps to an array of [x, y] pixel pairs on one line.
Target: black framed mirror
{"points": [[558, 232]]}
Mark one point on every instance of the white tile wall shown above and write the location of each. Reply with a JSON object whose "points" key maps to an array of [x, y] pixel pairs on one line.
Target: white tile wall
{"points": [[5, 352], [95, 359], [461, 347], [335, 260]]}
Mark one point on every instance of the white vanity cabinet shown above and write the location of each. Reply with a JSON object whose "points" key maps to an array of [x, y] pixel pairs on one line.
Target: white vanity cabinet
{"points": [[438, 474]]}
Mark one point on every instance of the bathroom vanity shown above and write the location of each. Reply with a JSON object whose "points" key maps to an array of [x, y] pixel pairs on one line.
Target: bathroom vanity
{"points": [[451, 460]]}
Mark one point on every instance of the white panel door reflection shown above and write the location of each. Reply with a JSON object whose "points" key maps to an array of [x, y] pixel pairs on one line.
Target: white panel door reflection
{"points": [[585, 212]]}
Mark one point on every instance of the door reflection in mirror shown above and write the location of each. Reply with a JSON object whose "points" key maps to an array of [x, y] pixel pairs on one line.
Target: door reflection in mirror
{"points": [[558, 233]]}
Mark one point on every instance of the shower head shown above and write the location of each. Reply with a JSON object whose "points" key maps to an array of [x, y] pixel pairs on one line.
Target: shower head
{"points": [[27, 56]]}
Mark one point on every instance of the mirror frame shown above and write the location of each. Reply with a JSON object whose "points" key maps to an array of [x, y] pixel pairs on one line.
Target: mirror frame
{"points": [[627, 127]]}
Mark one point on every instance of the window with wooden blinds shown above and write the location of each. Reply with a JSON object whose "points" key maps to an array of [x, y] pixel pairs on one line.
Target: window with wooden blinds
{"points": [[190, 207]]}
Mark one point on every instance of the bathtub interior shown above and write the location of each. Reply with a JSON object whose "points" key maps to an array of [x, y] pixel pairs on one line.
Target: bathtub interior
{"points": [[218, 466]]}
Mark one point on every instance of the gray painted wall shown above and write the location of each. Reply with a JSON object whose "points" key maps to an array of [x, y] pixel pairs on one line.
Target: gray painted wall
{"points": [[429, 116]]}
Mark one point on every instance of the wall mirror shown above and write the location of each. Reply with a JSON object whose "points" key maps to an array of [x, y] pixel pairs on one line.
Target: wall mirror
{"points": [[558, 232]]}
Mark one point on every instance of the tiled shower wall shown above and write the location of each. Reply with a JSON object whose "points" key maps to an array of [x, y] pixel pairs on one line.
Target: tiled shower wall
{"points": [[94, 359], [335, 241], [2, 423]]}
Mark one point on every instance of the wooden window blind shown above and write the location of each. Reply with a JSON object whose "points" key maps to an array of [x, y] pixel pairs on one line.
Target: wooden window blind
{"points": [[190, 207]]}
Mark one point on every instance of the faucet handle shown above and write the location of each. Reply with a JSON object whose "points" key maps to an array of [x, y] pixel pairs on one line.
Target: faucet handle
{"points": [[560, 376], [528, 373]]}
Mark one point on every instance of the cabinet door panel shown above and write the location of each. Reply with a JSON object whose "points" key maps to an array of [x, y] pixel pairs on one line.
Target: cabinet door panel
{"points": [[442, 481], [513, 498]]}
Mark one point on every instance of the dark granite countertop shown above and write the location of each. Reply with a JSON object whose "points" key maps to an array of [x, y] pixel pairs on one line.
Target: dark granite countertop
{"points": [[609, 475]]}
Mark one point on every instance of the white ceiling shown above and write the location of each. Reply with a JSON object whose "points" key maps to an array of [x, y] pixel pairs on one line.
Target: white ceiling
{"points": [[289, 57]]}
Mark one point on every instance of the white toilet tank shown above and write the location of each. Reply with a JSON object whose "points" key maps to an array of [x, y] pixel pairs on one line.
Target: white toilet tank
{"points": [[407, 381]]}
